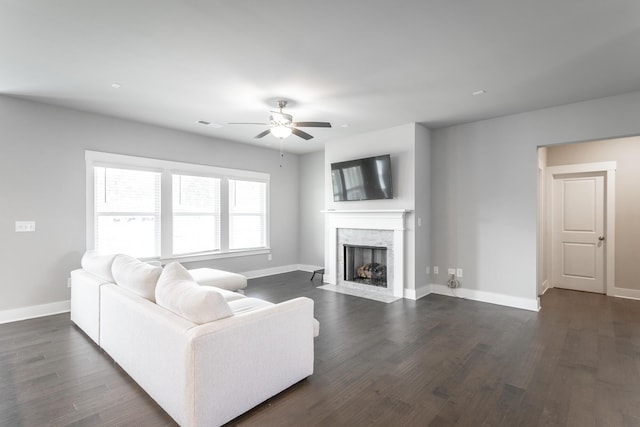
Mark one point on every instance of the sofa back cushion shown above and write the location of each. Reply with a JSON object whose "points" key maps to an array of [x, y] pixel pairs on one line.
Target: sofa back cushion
{"points": [[98, 264], [178, 292], [136, 276]]}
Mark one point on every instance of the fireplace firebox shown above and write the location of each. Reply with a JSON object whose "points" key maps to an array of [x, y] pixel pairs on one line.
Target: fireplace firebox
{"points": [[365, 264]]}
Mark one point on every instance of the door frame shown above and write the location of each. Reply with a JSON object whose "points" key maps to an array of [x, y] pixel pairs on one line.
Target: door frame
{"points": [[609, 171]]}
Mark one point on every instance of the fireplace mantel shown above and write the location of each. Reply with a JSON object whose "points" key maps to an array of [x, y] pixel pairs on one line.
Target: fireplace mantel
{"points": [[374, 219]]}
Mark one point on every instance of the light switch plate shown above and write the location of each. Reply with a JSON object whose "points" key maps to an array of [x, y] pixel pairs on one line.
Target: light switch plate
{"points": [[459, 272], [25, 226]]}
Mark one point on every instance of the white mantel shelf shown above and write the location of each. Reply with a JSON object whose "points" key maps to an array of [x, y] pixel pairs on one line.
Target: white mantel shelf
{"points": [[358, 211]]}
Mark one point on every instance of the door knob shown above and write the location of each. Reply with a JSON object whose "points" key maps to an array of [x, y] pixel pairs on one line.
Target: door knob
{"points": [[601, 238]]}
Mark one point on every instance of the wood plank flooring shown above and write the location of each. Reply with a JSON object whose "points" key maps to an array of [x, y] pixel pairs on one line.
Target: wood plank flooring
{"points": [[434, 362]]}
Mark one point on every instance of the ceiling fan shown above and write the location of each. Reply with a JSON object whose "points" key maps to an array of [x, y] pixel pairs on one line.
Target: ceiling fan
{"points": [[282, 125]]}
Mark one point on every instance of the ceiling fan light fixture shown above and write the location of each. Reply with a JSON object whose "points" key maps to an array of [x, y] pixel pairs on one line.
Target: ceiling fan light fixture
{"points": [[280, 131]]}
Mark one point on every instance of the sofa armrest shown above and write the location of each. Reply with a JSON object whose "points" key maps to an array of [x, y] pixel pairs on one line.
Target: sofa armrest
{"points": [[243, 360], [85, 302]]}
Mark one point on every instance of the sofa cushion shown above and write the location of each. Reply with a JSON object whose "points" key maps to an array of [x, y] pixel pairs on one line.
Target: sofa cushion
{"points": [[136, 276], [179, 293], [98, 264], [245, 305]]}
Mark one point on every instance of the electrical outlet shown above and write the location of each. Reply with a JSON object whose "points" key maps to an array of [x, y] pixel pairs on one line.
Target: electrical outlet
{"points": [[435, 269], [68, 282], [451, 271], [269, 257], [459, 272], [419, 222]]}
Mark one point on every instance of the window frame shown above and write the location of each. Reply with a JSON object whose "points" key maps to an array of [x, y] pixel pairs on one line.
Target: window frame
{"points": [[167, 169], [229, 209]]}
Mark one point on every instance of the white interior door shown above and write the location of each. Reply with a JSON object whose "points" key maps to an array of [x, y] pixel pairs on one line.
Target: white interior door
{"points": [[578, 237]]}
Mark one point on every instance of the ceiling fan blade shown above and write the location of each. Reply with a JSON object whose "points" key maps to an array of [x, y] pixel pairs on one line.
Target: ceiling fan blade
{"points": [[312, 124], [301, 134], [263, 133], [236, 123]]}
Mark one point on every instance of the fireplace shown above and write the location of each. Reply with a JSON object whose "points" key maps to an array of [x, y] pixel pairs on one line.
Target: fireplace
{"points": [[372, 229], [365, 264]]}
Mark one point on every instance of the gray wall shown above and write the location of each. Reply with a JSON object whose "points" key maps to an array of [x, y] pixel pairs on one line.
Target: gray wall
{"points": [[422, 169], [311, 251], [484, 188], [626, 153], [401, 142], [42, 171]]}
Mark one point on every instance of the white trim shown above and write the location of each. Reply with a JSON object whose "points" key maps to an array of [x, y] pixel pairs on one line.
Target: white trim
{"points": [[309, 268], [253, 274], [545, 287], [358, 211], [23, 313], [210, 256], [416, 294], [488, 297], [625, 293], [100, 158], [609, 169]]}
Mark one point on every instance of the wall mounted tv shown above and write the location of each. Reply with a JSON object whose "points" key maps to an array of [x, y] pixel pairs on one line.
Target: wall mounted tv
{"points": [[362, 179]]}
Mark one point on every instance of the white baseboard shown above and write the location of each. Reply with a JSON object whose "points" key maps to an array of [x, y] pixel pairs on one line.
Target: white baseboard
{"points": [[626, 293], [271, 271], [545, 287], [416, 294], [489, 297], [309, 268], [16, 314]]}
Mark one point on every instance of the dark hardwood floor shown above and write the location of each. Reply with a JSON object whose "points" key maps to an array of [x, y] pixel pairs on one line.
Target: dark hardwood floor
{"points": [[437, 361]]}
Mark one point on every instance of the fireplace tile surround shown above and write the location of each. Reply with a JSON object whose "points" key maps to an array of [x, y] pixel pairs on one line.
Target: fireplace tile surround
{"points": [[385, 228], [365, 237]]}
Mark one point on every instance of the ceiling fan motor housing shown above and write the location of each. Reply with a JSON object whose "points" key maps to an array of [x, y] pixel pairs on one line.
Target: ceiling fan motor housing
{"points": [[280, 118]]}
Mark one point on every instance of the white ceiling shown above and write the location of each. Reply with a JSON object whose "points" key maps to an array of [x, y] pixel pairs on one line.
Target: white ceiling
{"points": [[366, 64]]}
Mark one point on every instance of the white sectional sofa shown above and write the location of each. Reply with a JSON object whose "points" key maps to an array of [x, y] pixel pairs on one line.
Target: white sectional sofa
{"points": [[205, 355]]}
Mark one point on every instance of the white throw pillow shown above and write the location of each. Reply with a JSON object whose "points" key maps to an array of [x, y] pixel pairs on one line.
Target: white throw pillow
{"points": [[136, 276], [99, 264], [178, 292]]}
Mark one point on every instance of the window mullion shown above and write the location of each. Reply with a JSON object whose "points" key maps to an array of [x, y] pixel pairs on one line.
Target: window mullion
{"points": [[224, 214], [166, 203]]}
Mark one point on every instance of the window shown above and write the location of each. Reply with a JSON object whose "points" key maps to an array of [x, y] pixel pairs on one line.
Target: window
{"points": [[196, 214], [127, 211], [152, 208], [247, 214]]}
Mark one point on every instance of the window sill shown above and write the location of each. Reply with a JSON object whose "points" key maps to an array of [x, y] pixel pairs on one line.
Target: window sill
{"points": [[213, 255]]}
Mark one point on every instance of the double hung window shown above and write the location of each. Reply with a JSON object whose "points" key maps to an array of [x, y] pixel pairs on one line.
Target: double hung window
{"points": [[159, 209]]}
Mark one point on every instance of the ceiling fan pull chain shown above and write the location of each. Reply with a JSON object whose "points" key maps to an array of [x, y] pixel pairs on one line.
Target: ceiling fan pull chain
{"points": [[281, 153]]}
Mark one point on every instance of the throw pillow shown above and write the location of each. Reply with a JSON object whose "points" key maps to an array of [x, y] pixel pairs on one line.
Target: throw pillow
{"points": [[99, 264], [178, 292], [136, 276]]}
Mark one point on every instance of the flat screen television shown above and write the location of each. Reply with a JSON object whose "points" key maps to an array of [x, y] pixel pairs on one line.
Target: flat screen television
{"points": [[362, 179]]}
